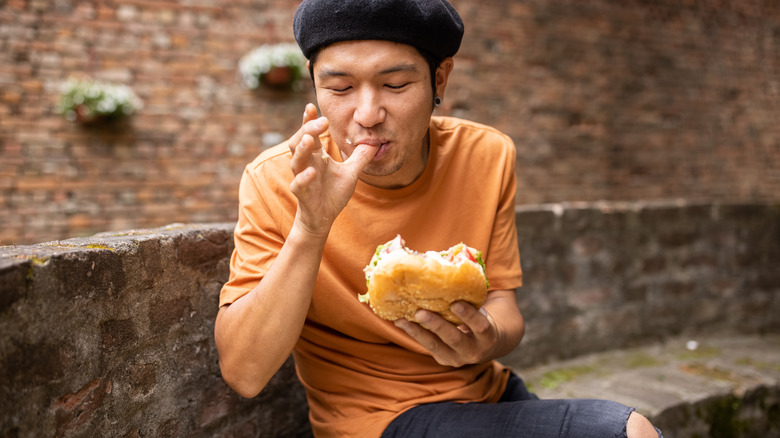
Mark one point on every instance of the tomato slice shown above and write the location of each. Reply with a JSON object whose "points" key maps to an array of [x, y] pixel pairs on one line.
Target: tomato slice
{"points": [[469, 255]]}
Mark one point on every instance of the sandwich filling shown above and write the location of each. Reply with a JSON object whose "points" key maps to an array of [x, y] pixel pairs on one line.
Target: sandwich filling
{"points": [[396, 248]]}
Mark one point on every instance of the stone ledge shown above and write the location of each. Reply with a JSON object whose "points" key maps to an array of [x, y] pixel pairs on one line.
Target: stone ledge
{"points": [[112, 334], [685, 385]]}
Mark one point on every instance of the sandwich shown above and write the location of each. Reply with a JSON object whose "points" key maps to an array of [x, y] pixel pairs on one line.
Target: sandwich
{"points": [[401, 281]]}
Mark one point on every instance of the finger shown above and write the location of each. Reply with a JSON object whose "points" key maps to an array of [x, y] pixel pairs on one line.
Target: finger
{"points": [[428, 340], [311, 124], [430, 320], [443, 329], [302, 180], [309, 113], [293, 141], [477, 321], [313, 128], [361, 156], [303, 155]]}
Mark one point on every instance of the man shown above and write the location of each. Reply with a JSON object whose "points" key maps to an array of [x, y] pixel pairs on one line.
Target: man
{"points": [[313, 210]]}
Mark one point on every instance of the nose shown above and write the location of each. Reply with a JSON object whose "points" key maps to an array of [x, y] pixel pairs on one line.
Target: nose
{"points": [[369, 111]]}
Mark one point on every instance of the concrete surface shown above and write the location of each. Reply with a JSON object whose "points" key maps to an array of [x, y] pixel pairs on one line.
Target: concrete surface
{"points": [[718, 386]]}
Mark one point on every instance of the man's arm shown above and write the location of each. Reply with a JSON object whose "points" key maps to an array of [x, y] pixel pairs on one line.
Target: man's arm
{"points": [[256, 333], [485, 334]]}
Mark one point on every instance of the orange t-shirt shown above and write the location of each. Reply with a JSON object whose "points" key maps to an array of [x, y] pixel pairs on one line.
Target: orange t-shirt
{"points": [[360, 371]]}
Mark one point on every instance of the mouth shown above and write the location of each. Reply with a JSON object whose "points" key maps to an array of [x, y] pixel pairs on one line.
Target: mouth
{"points": [[382, 145]]}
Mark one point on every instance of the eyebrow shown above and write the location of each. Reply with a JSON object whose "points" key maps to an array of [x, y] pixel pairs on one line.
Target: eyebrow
{"points": [[326, 72]]}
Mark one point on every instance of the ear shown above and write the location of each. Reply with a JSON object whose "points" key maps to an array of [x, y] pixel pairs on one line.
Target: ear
{"points": [[311, 73], [443, 74]]}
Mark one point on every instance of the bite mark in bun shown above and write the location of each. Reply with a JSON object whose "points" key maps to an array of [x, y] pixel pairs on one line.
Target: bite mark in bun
{"points": [[401, 281]]}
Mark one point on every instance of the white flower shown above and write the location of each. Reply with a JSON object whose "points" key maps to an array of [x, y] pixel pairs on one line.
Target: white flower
{"points": [[262, 59], [89, 97]]}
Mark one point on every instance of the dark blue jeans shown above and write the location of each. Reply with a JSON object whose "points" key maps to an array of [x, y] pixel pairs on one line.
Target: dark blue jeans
{"points": [[519, 413]]}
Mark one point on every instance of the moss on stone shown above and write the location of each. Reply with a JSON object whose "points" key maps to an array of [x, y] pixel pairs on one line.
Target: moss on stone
{"points": [[36, 261], [40, 261], [641, 360], [552, 379], [757, 364], [100, 246], [723, 417], [700, 353], [699, 369]]}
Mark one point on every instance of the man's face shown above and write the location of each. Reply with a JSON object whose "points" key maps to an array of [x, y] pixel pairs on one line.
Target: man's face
{"points": [[377, 93]]}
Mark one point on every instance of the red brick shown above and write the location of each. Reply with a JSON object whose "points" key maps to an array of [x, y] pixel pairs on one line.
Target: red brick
{"points": [[75, 411], [604, 100]]}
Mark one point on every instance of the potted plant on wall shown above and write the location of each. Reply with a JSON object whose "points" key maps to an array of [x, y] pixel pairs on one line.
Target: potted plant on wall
{"points": [[276, 66], [87, 101]]}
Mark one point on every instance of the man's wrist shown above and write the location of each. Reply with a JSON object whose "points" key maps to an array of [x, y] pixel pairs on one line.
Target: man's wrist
{"points": [[310, 234]]}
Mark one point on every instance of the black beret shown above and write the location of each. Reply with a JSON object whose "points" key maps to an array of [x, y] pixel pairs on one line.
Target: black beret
{"points": [[432, 26]]}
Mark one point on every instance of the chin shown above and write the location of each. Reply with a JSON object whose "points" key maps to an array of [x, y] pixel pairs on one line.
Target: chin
{"points": [[377, 169]]}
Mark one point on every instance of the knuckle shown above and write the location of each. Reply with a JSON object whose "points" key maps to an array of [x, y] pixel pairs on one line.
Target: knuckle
{"points": [[448, 362], [432, 325], [457, 363], [482, 328], [474, 358]]}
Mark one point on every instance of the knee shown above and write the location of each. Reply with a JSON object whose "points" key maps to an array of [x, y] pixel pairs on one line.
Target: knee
{"points": [[640, 427]]}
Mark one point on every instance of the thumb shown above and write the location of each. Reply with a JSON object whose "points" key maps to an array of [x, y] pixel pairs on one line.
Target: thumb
{"points": [[360, 158]]}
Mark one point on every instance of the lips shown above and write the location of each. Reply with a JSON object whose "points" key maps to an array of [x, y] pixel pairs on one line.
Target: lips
{"points": [[382, 144], [371, 141]]}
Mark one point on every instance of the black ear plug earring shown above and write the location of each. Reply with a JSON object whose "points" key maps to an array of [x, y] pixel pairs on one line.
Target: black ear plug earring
{"points": [[437, 101]]}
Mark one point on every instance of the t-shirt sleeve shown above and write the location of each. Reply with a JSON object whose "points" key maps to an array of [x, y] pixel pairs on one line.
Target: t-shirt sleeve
{"points": [[257, 236], [503, 258]]}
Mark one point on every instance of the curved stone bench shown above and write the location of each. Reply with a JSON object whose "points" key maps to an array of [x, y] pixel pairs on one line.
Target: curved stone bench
{"points": [[717, 386], [112, 335]]}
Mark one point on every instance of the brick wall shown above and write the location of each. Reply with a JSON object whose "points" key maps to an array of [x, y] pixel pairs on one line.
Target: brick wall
{"points": [[637, 99], [606, 100], [112, 335], [179, 159]]}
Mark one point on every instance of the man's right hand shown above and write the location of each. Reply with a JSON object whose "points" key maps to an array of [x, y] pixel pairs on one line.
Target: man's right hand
{"points": [[322, 185], [256, 333]]}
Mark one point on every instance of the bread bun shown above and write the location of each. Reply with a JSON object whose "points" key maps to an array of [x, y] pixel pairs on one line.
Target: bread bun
{"points": [[401, 281]]}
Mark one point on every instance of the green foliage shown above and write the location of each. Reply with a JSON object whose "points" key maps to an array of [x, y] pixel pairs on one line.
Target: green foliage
{"points": [[257, 65], [87, 100]]}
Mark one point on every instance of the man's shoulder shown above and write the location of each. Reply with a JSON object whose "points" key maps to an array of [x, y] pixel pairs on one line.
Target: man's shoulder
{"points": [[272, 157], [467, 128], [466, 135]]}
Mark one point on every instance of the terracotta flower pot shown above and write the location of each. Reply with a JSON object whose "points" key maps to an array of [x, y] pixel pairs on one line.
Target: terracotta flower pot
{"points": [[278, 77], [84, 116]]}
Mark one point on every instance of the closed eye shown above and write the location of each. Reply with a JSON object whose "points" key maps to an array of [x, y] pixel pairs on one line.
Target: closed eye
{"points": [[397, 87]]}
